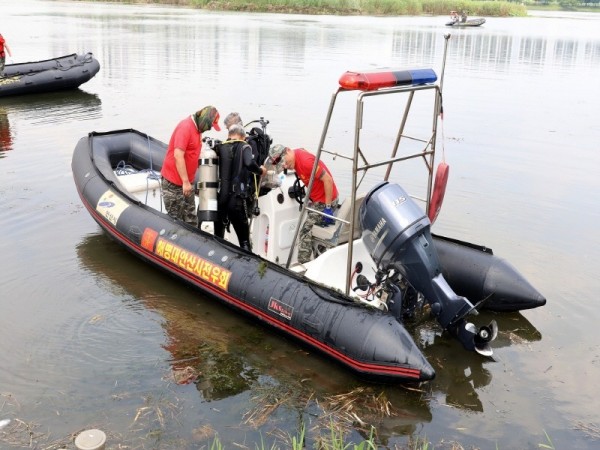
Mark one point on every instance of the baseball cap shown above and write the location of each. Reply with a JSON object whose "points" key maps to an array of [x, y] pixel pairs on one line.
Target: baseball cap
{"points": [[276, 152]]}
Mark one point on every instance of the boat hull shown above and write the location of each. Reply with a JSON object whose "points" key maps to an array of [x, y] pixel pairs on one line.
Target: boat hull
{"points": [[65, 72], [368, 341], [467, 24]]}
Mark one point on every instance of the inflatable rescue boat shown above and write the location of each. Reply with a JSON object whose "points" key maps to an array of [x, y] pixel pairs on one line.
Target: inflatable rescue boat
{"points": [[373, 270], [65, 72]]}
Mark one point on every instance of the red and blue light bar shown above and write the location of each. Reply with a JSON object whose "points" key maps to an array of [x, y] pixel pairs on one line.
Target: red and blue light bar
{"points": [[374, 80]]}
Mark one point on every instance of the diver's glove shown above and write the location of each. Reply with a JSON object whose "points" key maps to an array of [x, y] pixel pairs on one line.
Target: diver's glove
{"points": [[328, 220]]}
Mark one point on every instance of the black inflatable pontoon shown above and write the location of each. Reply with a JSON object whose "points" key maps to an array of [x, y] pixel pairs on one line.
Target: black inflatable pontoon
{"points": [[65, 72]]}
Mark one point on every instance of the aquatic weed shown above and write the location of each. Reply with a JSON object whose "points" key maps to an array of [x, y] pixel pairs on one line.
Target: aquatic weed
{"points": [[262, 268], [549, 445]]}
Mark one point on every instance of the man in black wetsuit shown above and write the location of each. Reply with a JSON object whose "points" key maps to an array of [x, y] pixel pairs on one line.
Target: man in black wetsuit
{"points": [[234, 118], [236, 166]]}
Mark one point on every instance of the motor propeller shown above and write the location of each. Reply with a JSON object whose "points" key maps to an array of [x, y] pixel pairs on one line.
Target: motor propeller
{"points": [[475, 339], [486, 335]]}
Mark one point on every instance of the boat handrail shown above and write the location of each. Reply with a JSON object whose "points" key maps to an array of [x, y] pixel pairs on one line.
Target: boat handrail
{"points": [[394, 160], [427, 153], [374, 84]]}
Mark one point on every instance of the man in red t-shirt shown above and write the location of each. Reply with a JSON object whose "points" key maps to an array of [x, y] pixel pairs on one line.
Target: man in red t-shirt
{"points": [[323, 197], [181, 162], [3, 46]]}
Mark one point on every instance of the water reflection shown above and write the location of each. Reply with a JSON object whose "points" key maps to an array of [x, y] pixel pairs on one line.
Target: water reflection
{"points": [[201, 349], [532, 51], [524, 54], [54, 107], [459, 374], [6, 138]]}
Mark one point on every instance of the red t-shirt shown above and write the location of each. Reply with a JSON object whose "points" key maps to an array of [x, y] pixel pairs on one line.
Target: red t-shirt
{"points": [[186, 137], [303, 167], [2, 41]]}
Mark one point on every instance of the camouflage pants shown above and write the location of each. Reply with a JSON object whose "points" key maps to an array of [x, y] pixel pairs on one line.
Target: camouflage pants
{"points": [[2, 61], [305, 250], [178, 205]]}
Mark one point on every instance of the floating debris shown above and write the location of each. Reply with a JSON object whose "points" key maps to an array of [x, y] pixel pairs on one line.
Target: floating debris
{"points": [[185, 375], [90, 440]]}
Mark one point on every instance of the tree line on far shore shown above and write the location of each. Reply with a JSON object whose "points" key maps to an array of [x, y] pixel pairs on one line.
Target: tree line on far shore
{"points": [[353, 7]]}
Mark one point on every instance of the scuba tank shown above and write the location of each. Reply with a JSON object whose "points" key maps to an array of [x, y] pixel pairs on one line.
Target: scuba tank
{"points": [[207, 185]]}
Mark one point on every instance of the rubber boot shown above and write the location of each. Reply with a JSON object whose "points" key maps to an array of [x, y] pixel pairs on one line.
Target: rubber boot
{"points": [[245, 245]]}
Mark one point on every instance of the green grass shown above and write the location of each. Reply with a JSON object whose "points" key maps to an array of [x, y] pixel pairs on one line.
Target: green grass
{"points": [[333, 440], [354, 7], [489, 8]]}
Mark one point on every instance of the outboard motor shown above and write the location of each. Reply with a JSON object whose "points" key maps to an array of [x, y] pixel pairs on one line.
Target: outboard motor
{"points": [[208, 166], [397, 234]]}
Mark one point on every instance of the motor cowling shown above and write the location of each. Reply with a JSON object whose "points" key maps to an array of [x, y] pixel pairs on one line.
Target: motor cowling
{"points": [[391, 221], [208, 168], [396, 232]]}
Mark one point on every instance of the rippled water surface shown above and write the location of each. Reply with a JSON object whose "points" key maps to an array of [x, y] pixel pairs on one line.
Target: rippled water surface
{"points": [[91, 337]]}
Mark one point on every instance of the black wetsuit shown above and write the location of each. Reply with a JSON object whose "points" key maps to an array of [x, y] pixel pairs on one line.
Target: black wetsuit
{"points": [[237, 167]]}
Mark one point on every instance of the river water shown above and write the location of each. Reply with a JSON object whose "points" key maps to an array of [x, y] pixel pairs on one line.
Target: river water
{"points": [[92, 338]]}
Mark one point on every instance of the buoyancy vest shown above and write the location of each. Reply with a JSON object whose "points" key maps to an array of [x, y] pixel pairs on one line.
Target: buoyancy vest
{"points": [[234, 177], [241, 181]]}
